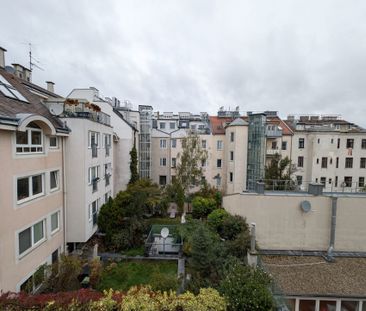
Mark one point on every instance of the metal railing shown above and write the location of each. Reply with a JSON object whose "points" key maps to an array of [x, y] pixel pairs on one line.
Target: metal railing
{"points": [[294, 185], [85, 110]]}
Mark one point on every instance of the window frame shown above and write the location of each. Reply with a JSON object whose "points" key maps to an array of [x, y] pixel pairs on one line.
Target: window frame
{"points": [[28, 132], [217, 163], [90, 134], [53, 231], [232, 137], [301, 143], [284, 145], [57, 146], [30, 196], [163, 144], [350, 143], [300, 162], [219, 145], [163, 162], [324, 163], [362, 162], [363, 143], [348, 162], [33, 244], [173, 143], [57, 180]]}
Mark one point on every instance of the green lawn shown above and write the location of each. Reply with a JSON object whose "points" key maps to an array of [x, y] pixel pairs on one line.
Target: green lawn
{"points": [[123, 275]]}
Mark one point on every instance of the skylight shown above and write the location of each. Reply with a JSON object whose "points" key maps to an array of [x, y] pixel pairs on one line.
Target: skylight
{"points": [[9, 91]]}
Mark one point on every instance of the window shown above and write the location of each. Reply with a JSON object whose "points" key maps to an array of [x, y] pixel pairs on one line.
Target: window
{"points": [[317, 161], [162, 161], [162, 180], [193, 126], [231, 136], [55, 225], [32, 236], [8, 90], [330, 181], [318, 140], [324, 162], [174, 142], [172, 125], [331, 140], [93, 174], [363, 163], [30, 141], [274, 145], [174, 162], [363, 144], [204, 144], [93, 139], [301, 143], [336, 181], [107, 173], [323, 181], [219, 163], [53, 142], [107, 144], [349, 163], [299, 180], [93, 212], [337, 162], [219, 145], [330, 160], [361, 182], [54, 180], [300, 162], [231, 177], [29, 187], [284, 145], [348, 181], [162, 143], [350, 142], [231, 155], [162, 125], [34, 281]]}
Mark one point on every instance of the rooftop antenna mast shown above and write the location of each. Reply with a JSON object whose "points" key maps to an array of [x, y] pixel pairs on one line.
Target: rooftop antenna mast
{"points": [[32, 60]]}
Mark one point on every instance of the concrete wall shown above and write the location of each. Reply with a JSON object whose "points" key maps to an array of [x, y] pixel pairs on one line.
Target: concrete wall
{"points": [[282, 225]]}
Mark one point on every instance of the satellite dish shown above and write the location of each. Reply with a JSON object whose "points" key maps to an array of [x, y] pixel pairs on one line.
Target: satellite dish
{"points": [[305, 206], [56, 109], [164, 232]]}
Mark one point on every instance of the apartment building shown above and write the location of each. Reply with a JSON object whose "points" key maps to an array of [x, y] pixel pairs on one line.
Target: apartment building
{"points": [[125, 124], [32, 201], [88, 166], [168, 131], [328, 150]]}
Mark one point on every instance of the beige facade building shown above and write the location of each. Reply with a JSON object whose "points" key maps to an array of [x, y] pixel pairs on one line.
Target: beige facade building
{"points": [[32, 197]]}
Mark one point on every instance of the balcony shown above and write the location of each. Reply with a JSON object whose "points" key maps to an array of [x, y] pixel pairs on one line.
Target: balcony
{"points": [[273, 133], [272, 152], [76, 109]]}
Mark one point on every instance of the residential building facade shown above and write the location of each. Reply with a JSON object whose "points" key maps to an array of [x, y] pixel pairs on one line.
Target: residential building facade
{"points": [[32, 201]]}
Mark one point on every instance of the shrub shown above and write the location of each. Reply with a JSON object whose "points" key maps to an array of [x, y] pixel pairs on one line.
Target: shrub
{"points": [[216, 219], [202, 207], [163, 282], [232, 226]]}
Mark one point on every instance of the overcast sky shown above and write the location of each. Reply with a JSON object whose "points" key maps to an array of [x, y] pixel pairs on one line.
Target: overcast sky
{"points": [[291, 56]]}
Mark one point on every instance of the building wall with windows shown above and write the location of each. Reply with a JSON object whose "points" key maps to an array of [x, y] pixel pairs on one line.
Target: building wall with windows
{"points": [[90, 176], [336, 159], [31, 200]]}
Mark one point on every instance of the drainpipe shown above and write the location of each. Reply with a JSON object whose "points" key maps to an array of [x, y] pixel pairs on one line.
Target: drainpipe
{"points": [[329, 255], [64, 191]]}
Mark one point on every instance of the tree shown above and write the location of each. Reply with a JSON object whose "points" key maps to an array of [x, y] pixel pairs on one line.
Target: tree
{"points": [[189, 167], [174, 193], [216, 219], [133, 165], [246, 289], [278, 173]]}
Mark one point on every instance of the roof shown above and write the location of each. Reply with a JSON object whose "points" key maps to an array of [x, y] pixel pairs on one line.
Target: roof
{"points": [[286, 130], [10, 108], [313, 276], [238, 122]]}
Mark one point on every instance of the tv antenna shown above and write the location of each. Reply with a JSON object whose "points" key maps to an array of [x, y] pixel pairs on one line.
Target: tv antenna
{"points": [[32, 60]]}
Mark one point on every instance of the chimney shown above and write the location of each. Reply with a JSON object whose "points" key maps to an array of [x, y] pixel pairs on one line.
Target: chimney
{"points": [[50, 86], [22, 72], [2, 57]]}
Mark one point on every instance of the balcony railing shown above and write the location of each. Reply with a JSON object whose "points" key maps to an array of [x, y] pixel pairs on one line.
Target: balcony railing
{"points": [[274, 133], [86, 111], [272, 152]]}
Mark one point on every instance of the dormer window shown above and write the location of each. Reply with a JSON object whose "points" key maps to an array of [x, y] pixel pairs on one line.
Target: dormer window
{"points": [[30, 141]]}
